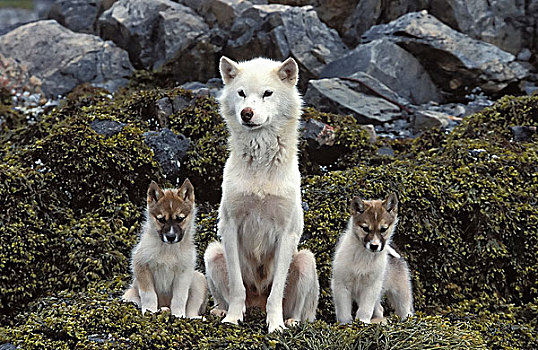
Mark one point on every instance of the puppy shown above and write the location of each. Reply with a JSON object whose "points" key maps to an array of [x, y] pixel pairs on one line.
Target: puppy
{"points": [[164, 259], [365, 267]]}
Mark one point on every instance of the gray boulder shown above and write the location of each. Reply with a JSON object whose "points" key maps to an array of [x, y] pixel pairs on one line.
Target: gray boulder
{"points": [[77, 15], [62, 59], [370, 12], [455, 61], [107, 128], [508, 24], [153, 32], [279, 31], [169, 150], [391, 65], [342, 97]]}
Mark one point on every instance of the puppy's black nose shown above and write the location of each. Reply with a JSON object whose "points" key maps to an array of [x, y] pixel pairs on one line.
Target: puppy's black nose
{"points": [[373, 247], [247, 114], [169, 238]]}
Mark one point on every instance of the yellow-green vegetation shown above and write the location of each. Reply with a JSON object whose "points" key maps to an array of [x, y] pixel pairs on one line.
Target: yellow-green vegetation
{"points": [[73, 203]]}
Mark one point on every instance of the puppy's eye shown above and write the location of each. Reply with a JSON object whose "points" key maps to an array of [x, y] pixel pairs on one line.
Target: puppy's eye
{"points": [[365, 228], [162, 220], [180, 218], [241, 93], [383, 229], [267, 93]]}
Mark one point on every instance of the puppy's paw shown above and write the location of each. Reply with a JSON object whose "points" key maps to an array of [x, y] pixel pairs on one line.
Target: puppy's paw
{"points": [[218, 312], [164, 309], [380, 320], [231, 320], [290, 322]]}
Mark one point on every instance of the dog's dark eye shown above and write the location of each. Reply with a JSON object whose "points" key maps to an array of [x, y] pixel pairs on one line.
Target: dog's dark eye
{"points": [[366, 228], [267, 93], [180, 218], [162, 220], [241, 93], [383, 229]]}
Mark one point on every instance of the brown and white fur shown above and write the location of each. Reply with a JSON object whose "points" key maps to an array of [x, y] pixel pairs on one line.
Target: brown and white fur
{"points": [[365, 267], [260, 215], [163, 261]]}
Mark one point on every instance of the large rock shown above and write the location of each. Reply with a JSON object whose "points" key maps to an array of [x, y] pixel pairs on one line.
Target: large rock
{"points": [[153, 32], [508, 24], [77, 15], [455, 61], [370, 12], [169, 150], [339, 96], [62, 59], [391, 65], [279, 31]]}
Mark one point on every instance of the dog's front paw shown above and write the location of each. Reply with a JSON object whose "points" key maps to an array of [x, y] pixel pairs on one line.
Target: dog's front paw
{"points": [[271, 327], [290, 322], [275, 323], [218, 312], [232, 320]]}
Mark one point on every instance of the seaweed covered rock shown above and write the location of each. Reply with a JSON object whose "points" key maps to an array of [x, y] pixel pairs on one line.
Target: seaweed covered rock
{"points": [[98, 319], [468, 210]]}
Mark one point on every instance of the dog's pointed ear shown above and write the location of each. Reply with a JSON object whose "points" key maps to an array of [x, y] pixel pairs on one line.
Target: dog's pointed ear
{"points": [[154, 193], [186, 191], [288, 72], [228, 69], [357, 206], [391, 203]]}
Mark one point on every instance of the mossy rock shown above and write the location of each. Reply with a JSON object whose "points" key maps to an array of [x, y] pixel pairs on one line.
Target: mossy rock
{"points": [[75, 203], [98, 319]]}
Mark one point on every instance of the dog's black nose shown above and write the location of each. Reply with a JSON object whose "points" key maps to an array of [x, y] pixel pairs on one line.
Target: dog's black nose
{"points": [[373, 247], [169, 238], [247, 114]]}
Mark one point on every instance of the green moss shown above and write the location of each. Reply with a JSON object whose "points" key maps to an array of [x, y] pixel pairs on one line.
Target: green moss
{"points": [[97, 319]]}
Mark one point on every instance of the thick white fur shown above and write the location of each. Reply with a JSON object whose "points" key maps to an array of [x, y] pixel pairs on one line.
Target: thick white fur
{"points": [[362, 276], [175, 283], [260, 216]]}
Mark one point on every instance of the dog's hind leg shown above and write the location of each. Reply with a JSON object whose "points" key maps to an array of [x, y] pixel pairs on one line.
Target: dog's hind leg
{"points": [[131, 295], [302, 289], [217, 277], [197, 300]]}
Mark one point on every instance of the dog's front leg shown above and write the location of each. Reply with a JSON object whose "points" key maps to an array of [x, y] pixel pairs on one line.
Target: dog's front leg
{"points": [[367, 301], [342, 301], [236, 302], [182, 283], [146, 288], [285, 249]]}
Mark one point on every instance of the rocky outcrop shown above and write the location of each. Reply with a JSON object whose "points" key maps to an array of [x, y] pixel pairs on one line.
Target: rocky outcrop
{"points": [[339, 96], [153, 32], [509, 24], [62, 59], [169, 150], [77, 15], [280, 31], [455, 61], [391, 65]]}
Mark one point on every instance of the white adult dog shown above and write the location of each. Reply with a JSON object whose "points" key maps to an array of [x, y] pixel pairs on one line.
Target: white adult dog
{"points": [[260, 215]]}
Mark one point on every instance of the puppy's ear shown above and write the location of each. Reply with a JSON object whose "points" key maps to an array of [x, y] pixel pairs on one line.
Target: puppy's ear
{"points": [[391, 203], [288, 72], [154, 193], [186, 191], [228, 69], [357, 206]]}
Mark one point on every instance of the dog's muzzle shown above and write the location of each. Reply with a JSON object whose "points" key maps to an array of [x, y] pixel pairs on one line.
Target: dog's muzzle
{"points": [[172, 236]]}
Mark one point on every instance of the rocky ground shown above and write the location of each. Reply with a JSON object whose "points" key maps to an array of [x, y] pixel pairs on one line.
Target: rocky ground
{"points": [[98, 98]]}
